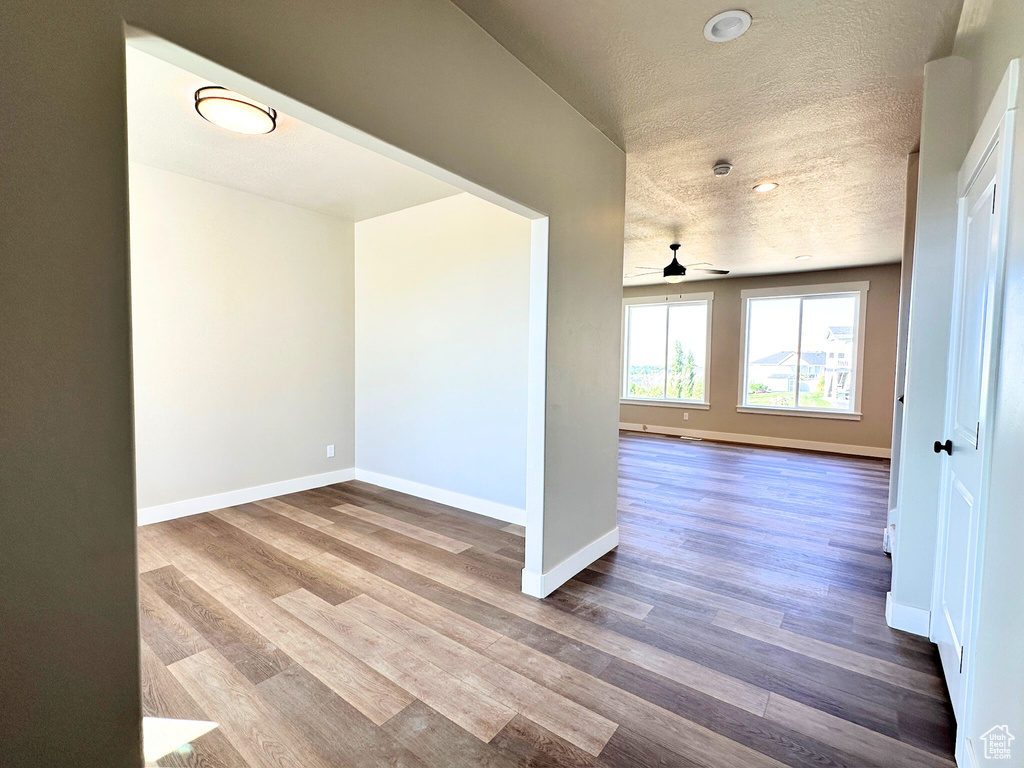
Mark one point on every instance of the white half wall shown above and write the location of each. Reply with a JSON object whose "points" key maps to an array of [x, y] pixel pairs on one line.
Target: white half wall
{"points": [[442, 332], [243, 342]]}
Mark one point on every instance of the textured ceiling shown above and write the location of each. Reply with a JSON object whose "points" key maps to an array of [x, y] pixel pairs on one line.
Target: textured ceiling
{"points": [[296, 164], [823, 96]]}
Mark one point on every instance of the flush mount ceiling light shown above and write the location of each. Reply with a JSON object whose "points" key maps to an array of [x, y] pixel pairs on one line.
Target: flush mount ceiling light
{"points": [[766, 186], [727, 26], [234, 111], [802, 258]]}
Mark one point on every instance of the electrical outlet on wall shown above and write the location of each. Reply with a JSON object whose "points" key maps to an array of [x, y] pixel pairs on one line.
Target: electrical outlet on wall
{"points": [[330, 451], [686, 415]]}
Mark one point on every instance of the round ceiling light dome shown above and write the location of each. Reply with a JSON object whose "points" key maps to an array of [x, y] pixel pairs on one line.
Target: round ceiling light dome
{"points": [[727, 26], [234, 111], [766, 186]]}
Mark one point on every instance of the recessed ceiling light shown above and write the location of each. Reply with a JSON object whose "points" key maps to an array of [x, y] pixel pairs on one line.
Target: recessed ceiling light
{"points": [[766, 186], [802, 258], [234, 111], [727, 26]]}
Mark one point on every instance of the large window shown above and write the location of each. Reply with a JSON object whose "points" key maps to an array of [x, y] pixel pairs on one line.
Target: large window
{"points": [[802, 349], [666, 344]]}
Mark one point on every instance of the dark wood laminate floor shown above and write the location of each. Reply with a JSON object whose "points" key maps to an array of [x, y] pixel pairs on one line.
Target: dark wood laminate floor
{"points": [[739, 623]]}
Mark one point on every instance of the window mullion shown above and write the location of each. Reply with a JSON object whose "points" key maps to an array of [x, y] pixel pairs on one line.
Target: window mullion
{"points": [[664, 389], [624, 388], [799, 352], [747, 304]]}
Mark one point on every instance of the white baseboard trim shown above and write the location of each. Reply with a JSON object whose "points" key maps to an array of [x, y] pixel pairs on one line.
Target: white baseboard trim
{"points": [[543, 584], [906, 617], [889, 538], [176, 509], [483, 507], [772, 442]]}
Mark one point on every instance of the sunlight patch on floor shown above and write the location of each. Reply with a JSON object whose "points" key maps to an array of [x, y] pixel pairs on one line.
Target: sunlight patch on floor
{"points": [[163, 735]]}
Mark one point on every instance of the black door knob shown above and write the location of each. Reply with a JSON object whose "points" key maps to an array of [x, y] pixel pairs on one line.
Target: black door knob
{"points": [[946, 446]]}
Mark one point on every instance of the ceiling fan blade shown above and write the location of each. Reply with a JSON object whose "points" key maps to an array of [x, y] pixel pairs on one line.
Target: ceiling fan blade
{"points": [[712, 271]]}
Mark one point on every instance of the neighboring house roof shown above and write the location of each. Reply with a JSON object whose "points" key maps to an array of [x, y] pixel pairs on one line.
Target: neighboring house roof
{"points": [[781, 358], [841, 330], [773, 359]]}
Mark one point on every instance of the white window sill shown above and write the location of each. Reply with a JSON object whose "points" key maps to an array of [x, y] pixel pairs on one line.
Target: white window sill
{"points": [[841, 415], [694, 406]]}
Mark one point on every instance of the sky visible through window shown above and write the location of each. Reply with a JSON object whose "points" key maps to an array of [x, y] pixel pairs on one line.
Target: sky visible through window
{"points": [[821, 376], [667, 348]]}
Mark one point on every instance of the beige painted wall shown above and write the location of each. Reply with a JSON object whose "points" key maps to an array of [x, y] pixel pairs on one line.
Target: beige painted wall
{"points": [[441, 350], [417, 74], [873, 430], [242, 338]]}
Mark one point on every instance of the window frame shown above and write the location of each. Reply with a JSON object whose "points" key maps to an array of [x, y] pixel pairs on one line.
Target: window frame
{"points": [[707, 298], [859, 290]]}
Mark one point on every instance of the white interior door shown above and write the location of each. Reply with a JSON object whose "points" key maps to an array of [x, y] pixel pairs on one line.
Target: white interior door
{"points": [[960, 446]]}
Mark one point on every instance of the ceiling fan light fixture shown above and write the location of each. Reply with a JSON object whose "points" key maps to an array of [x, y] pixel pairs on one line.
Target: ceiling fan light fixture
{"points": [[727, 26], [234, 112], [805, 257], [674, 272], [766, 186]]}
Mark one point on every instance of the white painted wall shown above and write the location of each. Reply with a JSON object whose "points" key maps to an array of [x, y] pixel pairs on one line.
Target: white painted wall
{"points": [[991, 34], [243, 344], [958, 92], [944, 141], [906, 277], [442, 330]]}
